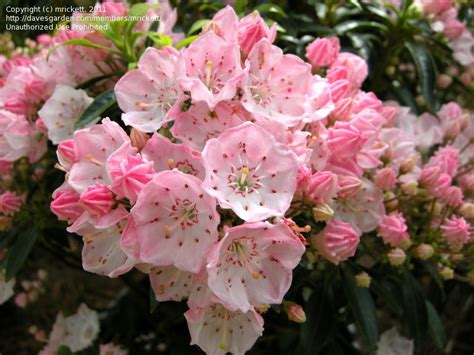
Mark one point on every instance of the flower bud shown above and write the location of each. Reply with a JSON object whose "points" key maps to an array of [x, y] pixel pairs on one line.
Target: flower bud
{"points": [[410, 188], [407, 166], [294, 312], [263, 308], [363, 279], [455, 231], [443, 81], [42, 274], [138, 138], [424, 251], [322, 187], [429, 176], [390, 200], [467, 210], [396, 257], [348, 186], [446, 273], [21, 300], [10, 203], [385, 179], [323, 51], [457, 258], [453, 196], [322, 212], [97, 199]]}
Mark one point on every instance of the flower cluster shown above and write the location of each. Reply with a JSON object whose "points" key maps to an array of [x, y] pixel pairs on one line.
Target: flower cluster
{"points": [[247, 138]]}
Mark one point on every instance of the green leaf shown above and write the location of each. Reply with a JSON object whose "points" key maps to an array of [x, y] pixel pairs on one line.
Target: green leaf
{"points": [[19, 251], [88, 83], [271, 9], [100, 104], [153, 28], [153, 301], [426, 72], [435, 326], [363, 308], [388, 292], [320, 325], [187, 41], [198, 25], [415, 313], [354, 25], [355, 3], [64, 350], [85, 43], [240, 6]]}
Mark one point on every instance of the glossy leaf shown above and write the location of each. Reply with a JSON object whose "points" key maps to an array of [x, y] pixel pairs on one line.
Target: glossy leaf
{"points": [[363, 308], [19, 252], [197, 26], [353, 25], [435, 326], [93, 113]]}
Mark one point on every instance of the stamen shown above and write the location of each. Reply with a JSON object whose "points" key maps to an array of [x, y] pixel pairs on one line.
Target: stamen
{"points": [[208, 73], [171, 164], [94, 160], [245, 172]]}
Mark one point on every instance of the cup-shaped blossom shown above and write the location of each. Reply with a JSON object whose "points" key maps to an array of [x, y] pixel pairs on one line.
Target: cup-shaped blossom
{"points": [[356, 68], [447, 159], [97, 199], [276, 84], [149, 94], [65, 204], [174, 222], [252, 265], [250, 173], [322, 52], [455, 231], [128, 172], [10, 203], [217, 330], [252, 28], [337, 242], [62, 110], [322, 187], [393, 229], [212, 69], [385, 178]]}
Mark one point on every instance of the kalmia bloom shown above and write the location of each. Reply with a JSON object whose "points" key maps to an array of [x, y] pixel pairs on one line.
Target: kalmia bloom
{"points": [[337, 242], [250, 173], [174, 222], [10, 203], [456, 232], [393, 229], [323, 52], [252, 265]]}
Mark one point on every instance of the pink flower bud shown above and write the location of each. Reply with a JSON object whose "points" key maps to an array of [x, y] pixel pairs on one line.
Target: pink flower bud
{"points": [[252, 28], [466, 181], [345, 140], [410, 188], [138, 138], [97, 199], [441, 185], [424, 251], [447, 159], [455, 231], [294, 312], [466, 78], [396, 257], [348, 186], [322, 52], [393, 229], [467, 210], [443, 81], [337, 241], [66, 206], [21, 300], [435, 6], [40, 126], [322, 187], [452, 196], [66, 154], [429, 176], [339, 89], [385, 179], [10, 203], [44, 39]]}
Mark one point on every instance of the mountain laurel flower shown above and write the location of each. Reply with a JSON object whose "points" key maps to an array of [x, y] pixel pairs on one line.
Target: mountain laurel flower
{"points": [[294, 312], [98, 199], [348, 186], [453, 196], [424, 251], [253, 263], [322, 212], [393, 229], [337, 242], [250, 173], [385, 178], [322, 52], [65, 205], [65, 153], [455, 231], [10, 203], [441, 185], [322, 187], [447, 159], [252, 28], [396, 257], [429, 176]]}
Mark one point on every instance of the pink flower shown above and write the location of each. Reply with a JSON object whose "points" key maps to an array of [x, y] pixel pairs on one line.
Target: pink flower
{"points": [[319, 103], [453, 28], [92, 148], [337, 242], [393, 229], [452, 196], [174, 222], [225, 24], [453, 119], [456, 232], [10, 203], [429, 176], [16, 136], [250, 173], [385, 179], [65, 204], [199, 124], [66, 154], [97, 199], [149, 95], [356, 68], [276, 84], [322, 187], [21, 300], [252, 265], [252, 28], [128, 172], [348, 186], [217, 330], [435, 6], [212, 69], [166, 155], [447, 159], [439, 188], [62, 110], [345, 140], [322, 52]]}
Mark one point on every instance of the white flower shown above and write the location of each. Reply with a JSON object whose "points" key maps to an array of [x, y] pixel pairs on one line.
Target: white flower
{"points": [[81, 328], [392, 343], [6, 288]]}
